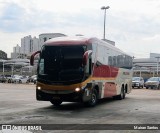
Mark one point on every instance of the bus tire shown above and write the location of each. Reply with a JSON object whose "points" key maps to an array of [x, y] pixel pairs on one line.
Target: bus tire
{"points": [[94, 98], [122, 95], [56, 102]]}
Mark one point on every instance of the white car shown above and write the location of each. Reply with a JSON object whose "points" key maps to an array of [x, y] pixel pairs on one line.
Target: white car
{"points": [[33, 78], [137, 82], [20, 79], [12, 79]]}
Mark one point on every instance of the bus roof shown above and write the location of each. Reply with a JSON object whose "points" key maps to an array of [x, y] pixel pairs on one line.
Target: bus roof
{"points": [[79, 40]]}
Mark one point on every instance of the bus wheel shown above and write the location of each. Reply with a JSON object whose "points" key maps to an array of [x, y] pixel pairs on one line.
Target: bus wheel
{"points": [[93, 101], [122, 95], [56, 102]]}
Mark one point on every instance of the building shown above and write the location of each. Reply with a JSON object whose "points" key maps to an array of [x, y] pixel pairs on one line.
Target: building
{"points": [[15, 66], [46, 36], [16, 52], [36, 44], [18, 56], [3, 55], [147, 67], [16, 49], [3, 58], [26, 44], [30, 45]]}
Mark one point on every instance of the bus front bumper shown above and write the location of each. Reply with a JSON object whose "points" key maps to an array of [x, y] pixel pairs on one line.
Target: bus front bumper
{"points": [[65, 95]]}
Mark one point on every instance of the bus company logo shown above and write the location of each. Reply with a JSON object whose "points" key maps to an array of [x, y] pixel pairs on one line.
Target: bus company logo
{"points": [[6, 127]]}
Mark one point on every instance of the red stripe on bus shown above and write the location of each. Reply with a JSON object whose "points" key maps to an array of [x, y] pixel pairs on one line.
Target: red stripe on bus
{"points": [[105, 71]]}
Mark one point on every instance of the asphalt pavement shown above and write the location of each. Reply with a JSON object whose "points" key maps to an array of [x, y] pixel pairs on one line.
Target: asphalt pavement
{"points": [[18, 105]]}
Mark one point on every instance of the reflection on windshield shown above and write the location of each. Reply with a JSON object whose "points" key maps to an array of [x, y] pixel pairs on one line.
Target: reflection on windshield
{"points": [[153, 79], [61, 63], [135, 79]]}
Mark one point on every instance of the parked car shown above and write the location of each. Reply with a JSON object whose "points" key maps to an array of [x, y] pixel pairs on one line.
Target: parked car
{"points": [[33, 79], [153, 82], [7, 77], [137, 82], [20, 79], [10, 79], [2, 78], [17, 79]]}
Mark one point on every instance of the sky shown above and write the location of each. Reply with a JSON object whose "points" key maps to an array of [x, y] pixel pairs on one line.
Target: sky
{"points": [[134, 25]]}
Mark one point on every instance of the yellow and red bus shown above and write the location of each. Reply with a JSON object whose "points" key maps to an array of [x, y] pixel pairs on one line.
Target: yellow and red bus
{"points": [[79, 69]]}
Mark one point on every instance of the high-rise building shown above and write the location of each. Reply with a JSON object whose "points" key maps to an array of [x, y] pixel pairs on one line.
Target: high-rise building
{"points": [[36, 44], [16, 49], [26, 44], [30, 45]]}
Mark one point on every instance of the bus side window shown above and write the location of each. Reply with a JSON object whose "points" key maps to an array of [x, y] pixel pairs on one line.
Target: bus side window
{"points": [[119, 64], [114, 61], [129, 62], [120, 60], [126, 61], [110, 60]]}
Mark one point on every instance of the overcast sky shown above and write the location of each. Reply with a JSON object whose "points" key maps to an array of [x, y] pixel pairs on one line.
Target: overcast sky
{"points": [[134, 25]]}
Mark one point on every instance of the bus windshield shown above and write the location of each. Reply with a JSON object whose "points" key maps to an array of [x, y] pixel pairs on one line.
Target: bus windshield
{"points": [[61, 63]]}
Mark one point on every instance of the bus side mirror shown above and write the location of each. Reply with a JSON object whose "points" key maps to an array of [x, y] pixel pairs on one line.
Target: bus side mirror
{"points": [[32, 57], [85, 57]]}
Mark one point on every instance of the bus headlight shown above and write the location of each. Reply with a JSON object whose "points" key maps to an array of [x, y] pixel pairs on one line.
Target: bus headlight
{"points": [[77, 89], [39, 88]]}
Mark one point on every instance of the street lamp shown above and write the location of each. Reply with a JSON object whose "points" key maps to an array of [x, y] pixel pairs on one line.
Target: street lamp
{"points": [[104, 8]]}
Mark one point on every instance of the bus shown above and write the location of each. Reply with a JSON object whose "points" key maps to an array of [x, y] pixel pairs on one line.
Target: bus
{"points": [[80, 69]]}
